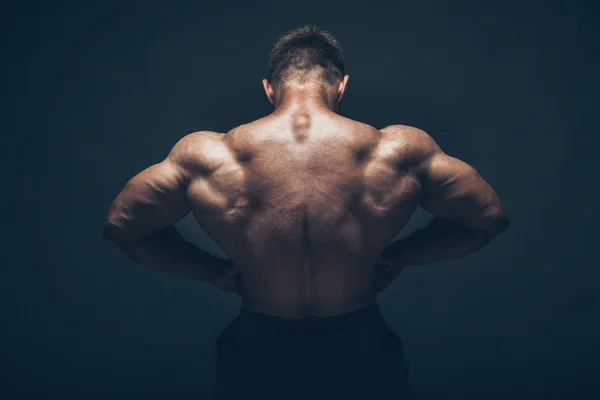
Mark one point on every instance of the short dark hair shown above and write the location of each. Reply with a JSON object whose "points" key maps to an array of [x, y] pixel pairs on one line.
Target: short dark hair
{"points": [[304, 54]]}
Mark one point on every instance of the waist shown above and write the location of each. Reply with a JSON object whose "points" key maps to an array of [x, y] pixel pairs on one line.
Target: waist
{"points": [[278, 314]]}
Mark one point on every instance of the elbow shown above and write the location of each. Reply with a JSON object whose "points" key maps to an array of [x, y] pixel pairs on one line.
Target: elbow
{"points": [[109, 232], [117, 230], [497, 225], [112, 230], [504, 224], [501, 222]]}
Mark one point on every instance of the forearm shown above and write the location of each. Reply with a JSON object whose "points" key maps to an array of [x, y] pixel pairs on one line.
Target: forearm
{"points": [[440, 240], [168, 252]]}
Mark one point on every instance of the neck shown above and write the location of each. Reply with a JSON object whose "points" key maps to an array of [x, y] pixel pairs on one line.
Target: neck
{"points": [[310, 97]]}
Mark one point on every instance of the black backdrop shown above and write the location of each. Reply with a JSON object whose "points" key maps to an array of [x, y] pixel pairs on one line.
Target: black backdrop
{"points": [[93, 93]]}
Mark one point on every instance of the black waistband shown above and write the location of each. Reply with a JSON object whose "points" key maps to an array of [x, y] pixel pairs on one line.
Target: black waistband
{"points": [[372, 310]]}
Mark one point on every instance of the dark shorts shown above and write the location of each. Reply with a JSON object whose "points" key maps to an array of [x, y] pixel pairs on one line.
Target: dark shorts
{"points": [[349, 356]]}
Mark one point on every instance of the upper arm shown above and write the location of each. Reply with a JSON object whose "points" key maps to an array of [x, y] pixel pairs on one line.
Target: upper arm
{"points": [[153, 199], [453, 189]]}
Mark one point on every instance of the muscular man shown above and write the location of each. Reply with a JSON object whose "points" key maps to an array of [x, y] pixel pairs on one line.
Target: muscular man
{"points": [[304, 201]]}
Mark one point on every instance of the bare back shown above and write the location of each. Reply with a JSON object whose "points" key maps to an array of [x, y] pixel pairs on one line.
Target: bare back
{"points": [[304, 204]]}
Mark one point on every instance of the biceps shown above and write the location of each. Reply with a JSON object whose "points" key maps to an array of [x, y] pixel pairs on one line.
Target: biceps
{"points": [[456, 191], [152, 200]]}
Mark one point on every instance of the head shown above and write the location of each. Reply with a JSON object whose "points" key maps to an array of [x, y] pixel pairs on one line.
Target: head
{"points": [[306, 63]]}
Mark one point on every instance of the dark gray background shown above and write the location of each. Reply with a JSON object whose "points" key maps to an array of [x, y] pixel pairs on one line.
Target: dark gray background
{"points": [[93, 92]]}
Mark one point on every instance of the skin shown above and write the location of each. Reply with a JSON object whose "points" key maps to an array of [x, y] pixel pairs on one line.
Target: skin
{"points": [[305, 202]]}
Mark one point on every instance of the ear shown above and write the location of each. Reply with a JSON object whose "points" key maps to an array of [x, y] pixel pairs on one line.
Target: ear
{"points": [[342, 88], [268, 90]]}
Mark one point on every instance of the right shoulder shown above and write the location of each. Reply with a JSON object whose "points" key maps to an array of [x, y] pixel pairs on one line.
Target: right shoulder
{"points": [[411, 145], [200, 151]]}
